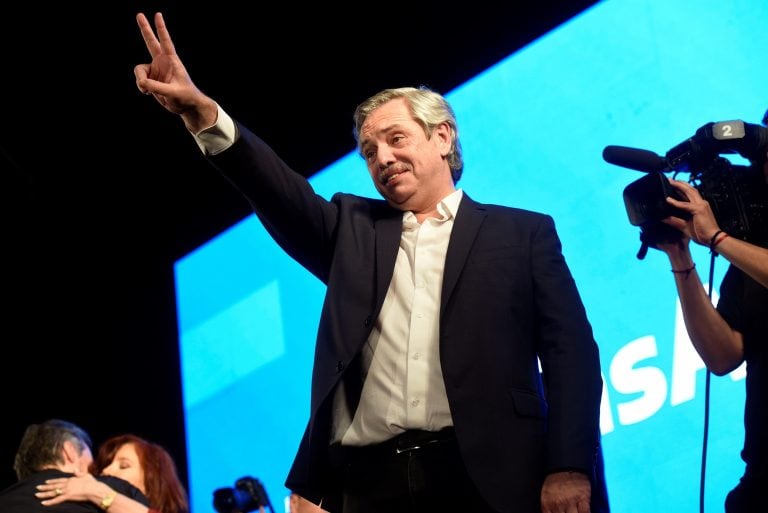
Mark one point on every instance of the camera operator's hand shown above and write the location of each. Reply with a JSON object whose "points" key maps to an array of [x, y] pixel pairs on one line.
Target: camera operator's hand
{"points": [[702, 225], [675, 248]]}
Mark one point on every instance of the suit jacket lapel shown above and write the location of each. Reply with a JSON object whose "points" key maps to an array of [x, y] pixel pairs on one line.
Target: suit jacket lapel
{"points": [[465, 227], [388, 232]]}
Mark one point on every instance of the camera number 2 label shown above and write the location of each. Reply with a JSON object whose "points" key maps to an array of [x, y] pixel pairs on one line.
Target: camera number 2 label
{"points": [[728, 130]]}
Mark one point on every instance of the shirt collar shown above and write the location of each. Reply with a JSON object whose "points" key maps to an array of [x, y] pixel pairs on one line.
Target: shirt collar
{"points": [[449, 206], [446, 207]]}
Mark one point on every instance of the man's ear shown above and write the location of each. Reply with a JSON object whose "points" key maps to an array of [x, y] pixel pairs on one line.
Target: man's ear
{"points": [[443, 133], [70, 452]]}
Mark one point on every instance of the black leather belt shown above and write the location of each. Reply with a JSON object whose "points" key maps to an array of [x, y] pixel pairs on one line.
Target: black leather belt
{"points": [[415, 439], [411, 440]]}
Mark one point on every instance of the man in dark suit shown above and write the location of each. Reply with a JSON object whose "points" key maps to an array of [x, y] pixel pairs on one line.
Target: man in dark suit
{"points": [[58, 449], [426, 390]]}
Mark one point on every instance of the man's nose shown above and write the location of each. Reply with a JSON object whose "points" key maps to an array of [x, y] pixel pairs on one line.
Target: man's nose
{"points": [[384, 156]]}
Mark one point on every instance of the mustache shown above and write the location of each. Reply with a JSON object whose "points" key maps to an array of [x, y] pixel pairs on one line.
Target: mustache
{"points": [[391, 170]]}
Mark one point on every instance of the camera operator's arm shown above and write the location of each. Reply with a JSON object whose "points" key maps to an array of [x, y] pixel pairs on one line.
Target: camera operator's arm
{"points": [[720, 347], [751, 259], [703, 229]]}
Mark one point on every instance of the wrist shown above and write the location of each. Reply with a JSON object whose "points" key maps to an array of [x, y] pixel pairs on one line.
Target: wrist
{"points": [[684, 272], [680, 259], [201, 115], [716, 239], [107, 499]]}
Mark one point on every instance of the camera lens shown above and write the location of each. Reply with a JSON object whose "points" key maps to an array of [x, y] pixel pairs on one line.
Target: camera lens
{"points": [[230, 500], [233, 500], [247, 495]]}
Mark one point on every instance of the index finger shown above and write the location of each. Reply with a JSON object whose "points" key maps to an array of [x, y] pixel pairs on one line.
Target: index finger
{"points": [[685, 187], [681, 184]]}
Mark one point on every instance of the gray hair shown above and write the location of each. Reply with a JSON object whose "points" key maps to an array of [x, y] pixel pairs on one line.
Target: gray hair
{"points": [[42, 444], [428, 108]]}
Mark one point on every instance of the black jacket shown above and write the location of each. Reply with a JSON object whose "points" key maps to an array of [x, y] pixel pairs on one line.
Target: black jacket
{"points": [[508, 302]]}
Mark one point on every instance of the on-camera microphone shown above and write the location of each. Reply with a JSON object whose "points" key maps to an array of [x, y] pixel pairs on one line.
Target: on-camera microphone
{"points": [[635, 158], [748, 140]]}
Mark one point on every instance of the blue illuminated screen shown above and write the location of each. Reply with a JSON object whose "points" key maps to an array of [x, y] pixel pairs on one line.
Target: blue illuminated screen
{"points": [[639, 73]]}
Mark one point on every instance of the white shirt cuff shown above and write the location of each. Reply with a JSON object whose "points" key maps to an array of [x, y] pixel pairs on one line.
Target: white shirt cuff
{"points": [[219, 137]]}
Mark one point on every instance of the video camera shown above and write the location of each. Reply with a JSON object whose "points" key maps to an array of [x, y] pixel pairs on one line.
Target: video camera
{"points": [[738, 195], [247, 495]]}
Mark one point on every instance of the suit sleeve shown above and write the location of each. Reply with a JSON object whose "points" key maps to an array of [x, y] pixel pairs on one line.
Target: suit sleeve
{"points": [[302, 222], [569, 357]]}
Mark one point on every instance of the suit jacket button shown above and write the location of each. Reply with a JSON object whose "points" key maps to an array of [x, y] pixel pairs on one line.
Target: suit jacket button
{"points": [[339, 366], [367, 321]]}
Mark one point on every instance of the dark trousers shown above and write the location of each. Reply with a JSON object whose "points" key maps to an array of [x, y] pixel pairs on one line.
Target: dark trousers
{"points": [[417, 471]]}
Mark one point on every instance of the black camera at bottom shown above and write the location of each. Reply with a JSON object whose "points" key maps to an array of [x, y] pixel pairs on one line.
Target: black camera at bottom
{"points": [[247, 495]]}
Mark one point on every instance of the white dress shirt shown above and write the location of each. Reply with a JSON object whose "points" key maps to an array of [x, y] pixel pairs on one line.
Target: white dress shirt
{"points": [[404, 386]]}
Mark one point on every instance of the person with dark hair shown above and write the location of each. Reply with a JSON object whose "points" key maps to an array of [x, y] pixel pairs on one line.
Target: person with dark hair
{"points": [[439, 312], [733, 332], [145, 465], [59, 450]]}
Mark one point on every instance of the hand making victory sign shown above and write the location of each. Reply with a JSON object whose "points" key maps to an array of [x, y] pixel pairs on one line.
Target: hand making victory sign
{"points": [[167, 79]]}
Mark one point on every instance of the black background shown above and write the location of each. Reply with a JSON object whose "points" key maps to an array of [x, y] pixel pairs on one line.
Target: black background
{"points": [[102, 189]]}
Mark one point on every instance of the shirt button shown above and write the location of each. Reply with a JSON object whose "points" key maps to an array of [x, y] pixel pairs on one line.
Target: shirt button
{"points": [[415, 403], [416, 356]]}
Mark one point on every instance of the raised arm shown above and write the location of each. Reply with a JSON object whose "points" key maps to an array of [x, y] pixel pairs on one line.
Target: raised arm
{"points": [[166, 78]]}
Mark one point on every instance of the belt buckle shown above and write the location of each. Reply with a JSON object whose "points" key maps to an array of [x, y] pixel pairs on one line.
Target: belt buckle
{"points": [[409, 448], [414, 446]]}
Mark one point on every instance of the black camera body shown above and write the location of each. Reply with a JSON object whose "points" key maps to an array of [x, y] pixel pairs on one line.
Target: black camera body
{"points": [[646, 199], [247, 495], [737, 194]]}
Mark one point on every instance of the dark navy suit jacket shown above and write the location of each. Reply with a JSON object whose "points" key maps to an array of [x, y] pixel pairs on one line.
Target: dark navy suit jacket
{"points": [[508, 302]]}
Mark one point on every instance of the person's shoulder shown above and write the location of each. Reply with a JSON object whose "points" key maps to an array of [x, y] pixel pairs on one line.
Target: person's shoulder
{"points": [[375, 206], [348, 197], [20, 496], [520, 212], [34, 480], [123, 487], [506, 210], [9, 490]]}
